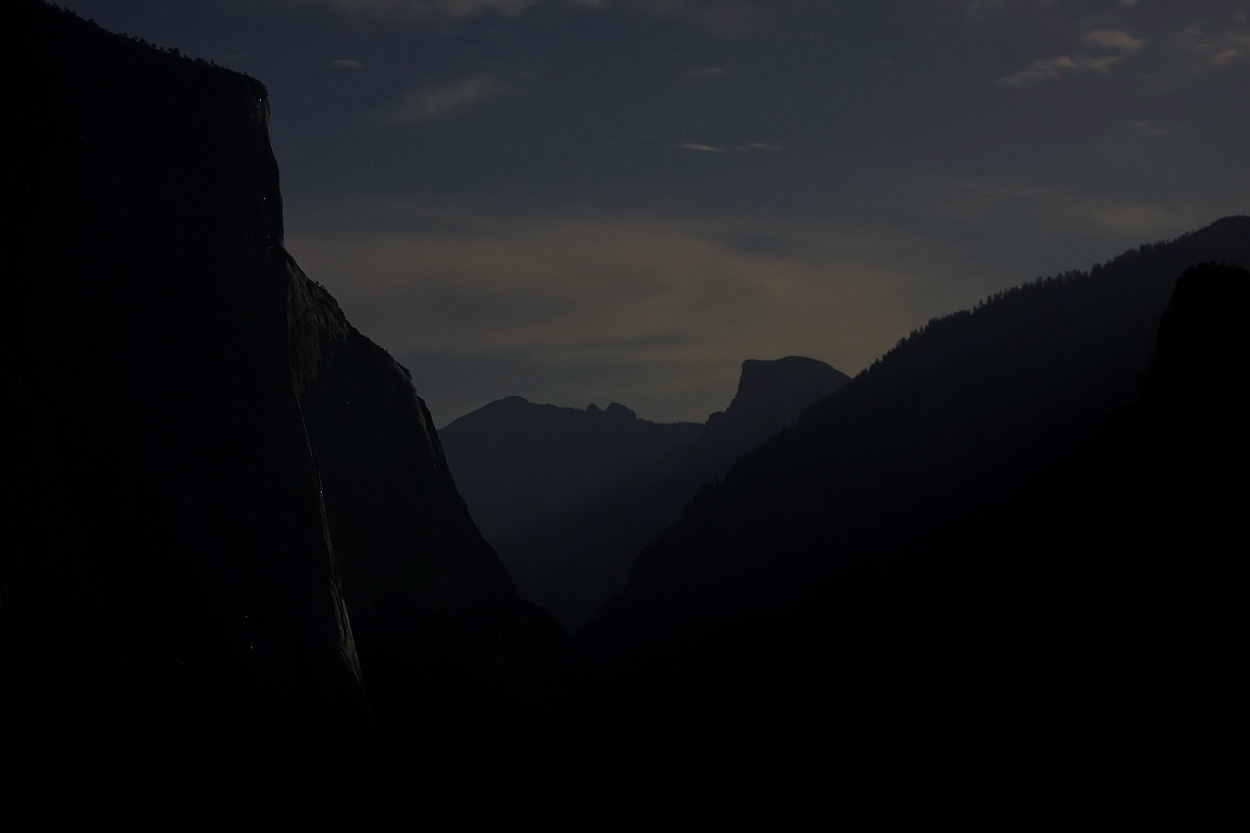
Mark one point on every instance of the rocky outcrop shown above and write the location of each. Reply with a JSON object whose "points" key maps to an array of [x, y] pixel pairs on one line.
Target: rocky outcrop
{"points": [[226, 507], [771, 395]]}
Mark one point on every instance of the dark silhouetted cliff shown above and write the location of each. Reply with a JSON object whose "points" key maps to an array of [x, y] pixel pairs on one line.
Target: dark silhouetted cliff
{"points": [[227, 512], [771, 395]]}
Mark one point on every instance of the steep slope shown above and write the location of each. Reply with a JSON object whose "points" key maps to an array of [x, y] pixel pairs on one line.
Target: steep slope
{"points": [[1068, 647], [519, 464], [949, 425], [573, 563], [227, 511]]}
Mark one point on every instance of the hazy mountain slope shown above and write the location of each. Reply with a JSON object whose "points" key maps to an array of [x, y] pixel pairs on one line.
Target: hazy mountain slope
{"points": [[572, 564], [222, 499], [520, 464], [952, 422]]}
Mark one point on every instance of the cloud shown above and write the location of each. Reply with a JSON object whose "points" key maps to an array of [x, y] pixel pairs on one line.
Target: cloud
{"points": [[1225, 57], [426, 11], [1126, 4], [696, 78], [1154, 130], [745, 147], [1219, 48], [441, 102], [1043, 70], [1115, 39], [346, 63], [994, 11], [723, 18], [414, 10]]}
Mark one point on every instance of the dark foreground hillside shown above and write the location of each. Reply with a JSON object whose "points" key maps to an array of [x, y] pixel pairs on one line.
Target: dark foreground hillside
{"points": [[954, 421], [1061, 634]]}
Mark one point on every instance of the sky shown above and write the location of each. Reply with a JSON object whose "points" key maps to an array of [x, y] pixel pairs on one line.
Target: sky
{"points": [[583, 201]]}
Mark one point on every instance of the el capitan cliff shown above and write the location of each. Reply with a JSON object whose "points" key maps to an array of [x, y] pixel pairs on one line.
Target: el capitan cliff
{"points": [[226, 508]]}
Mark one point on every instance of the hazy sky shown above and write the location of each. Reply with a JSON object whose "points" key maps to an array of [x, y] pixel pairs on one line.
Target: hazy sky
{"points": [[620, 200]]}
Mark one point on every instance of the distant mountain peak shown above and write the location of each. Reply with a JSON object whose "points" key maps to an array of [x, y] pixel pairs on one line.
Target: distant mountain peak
{"points": [[771, 394], [518, 462], [619, 411], [1239, 222], [767, 379], [570, 496], [1224, 231]]}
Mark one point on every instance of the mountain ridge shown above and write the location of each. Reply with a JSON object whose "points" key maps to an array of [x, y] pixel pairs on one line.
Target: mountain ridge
{"points": [[974, 400], [575, 540], [519, 463]]}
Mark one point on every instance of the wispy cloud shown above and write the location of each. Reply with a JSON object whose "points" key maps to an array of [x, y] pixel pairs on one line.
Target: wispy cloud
{"points": [[746, 147], [347, 63], [1116, 39], [1154, 130], [441, 102], [1043, 70], [724, 18], [1226, 56], [696, 78], [414, 10], [426, 11], [1218, 48]]}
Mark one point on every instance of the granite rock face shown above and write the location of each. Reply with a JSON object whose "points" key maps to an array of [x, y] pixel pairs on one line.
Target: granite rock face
{"points": [[219, 490], [771, 395]]}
